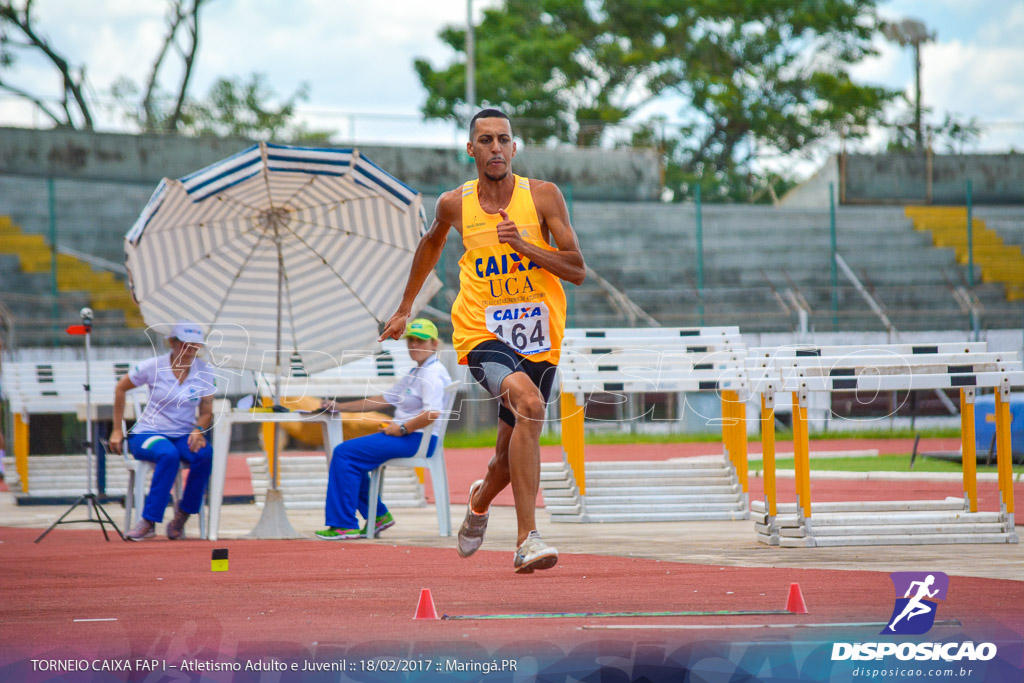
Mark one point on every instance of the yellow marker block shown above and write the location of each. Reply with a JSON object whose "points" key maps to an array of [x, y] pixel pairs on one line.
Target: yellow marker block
{"points": [[219, 563]]}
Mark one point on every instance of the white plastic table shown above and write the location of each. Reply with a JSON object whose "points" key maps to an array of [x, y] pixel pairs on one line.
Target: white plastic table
{"points": [[330, 422]]}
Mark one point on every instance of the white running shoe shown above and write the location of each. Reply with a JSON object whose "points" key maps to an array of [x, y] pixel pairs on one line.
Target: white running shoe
{"points": [[471, 533], [534, 554]]}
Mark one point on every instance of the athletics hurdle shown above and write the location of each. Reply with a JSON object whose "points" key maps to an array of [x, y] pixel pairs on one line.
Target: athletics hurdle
{"points": [[623, 362], [891, 367]]}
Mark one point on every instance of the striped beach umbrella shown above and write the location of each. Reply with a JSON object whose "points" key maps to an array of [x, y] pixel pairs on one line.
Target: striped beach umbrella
{"points": [[288, 256]]}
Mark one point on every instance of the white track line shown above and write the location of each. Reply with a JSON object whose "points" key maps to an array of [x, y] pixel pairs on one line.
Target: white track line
{"points": [[848, 624]]}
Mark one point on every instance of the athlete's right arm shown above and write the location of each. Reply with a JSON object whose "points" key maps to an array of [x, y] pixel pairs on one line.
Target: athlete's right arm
{"points": [[447, 214]]}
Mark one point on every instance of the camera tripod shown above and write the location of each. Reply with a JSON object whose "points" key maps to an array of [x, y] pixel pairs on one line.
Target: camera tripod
{"points": [[95, 510]]}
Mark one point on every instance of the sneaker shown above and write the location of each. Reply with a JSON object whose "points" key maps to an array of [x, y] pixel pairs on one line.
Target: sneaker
{"points": [[534, 554], [471, 533], [383, 522], [176, 527], [141, 531], [332, 534]]}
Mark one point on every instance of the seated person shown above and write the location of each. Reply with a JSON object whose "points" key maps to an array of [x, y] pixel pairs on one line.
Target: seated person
{"points": [[168, 431], [418, 399]]}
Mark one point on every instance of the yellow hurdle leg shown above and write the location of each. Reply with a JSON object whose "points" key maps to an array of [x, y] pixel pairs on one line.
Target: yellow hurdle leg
{"points": [[572, 439], [21, 449], [805, 454], [1004, 456], [798, 462], [726, 432], [730, 400], [742, 464], [768, 455], [969, 448], [801, 458]]}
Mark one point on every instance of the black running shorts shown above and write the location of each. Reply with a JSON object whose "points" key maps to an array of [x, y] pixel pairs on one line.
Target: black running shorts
{"points": [[490, 362]]}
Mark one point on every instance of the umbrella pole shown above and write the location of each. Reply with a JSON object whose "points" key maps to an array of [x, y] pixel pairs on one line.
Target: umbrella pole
{"points": [[274, 522], [275, 473]]}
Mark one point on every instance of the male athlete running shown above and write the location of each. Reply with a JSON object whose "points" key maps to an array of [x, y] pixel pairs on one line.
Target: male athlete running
{"points": [[509, 317]]}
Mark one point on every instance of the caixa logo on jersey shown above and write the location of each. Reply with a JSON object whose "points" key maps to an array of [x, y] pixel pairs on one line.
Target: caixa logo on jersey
{"points": [[914, 612]]}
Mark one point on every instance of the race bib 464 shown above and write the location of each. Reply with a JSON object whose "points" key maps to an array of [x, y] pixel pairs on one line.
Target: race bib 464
{"points": [[524, 327]]}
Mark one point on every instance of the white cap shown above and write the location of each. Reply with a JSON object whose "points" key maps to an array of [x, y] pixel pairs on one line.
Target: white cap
{"points": [[190, 333]]}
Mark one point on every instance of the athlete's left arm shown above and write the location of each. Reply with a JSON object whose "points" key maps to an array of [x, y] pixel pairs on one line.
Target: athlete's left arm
{"points": [[567, 262]]}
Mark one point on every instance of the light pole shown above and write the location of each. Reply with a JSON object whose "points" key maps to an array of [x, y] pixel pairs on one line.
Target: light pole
{"points": [[470, 61], [912, 32]]}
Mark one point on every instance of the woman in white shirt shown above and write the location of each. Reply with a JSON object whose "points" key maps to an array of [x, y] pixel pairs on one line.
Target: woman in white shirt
{"points": [[418, 399], [171, 428]]}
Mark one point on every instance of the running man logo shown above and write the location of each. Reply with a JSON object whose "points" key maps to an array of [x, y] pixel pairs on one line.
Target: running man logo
{"points": [[914, 612]]}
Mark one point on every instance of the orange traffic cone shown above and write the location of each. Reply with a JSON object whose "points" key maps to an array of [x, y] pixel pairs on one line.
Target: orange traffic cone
{"points": [[795, 603], [425, 607]]}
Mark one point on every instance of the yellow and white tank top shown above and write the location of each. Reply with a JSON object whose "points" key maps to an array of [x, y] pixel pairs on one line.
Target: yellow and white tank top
{"points": [[502, 295]]}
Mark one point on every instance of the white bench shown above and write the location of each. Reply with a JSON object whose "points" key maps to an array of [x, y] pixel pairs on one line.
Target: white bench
{"points": [[55, 388], [800, 370], [612, 365], [58, 387]]}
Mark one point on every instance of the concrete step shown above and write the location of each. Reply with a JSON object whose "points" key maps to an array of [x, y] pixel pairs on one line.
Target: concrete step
{"points": [[664, 481], [644, 506], [643, 491], [896, 529], [651, 517], [655, 466], [646, 499], [950, 503], [662, 474], [824, 521], [922, 539], [595, 492]]}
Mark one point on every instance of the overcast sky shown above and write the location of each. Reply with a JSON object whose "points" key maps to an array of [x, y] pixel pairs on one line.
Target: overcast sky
{"points": [[357, 57]]}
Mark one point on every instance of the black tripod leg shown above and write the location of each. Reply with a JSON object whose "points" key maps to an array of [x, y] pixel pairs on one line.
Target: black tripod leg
{"points": [[101, 512], [94, 507], [66, 513]]}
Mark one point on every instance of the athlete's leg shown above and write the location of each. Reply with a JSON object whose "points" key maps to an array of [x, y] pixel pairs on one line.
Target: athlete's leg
{"points": [[490, 364], [497, 476], [526, 402]]}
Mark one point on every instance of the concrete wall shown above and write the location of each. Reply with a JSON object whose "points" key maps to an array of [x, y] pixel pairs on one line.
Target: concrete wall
{"points": [[813, 192], [907, 178], [623, 175]]}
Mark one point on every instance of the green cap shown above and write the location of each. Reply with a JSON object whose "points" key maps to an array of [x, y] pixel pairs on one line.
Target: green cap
{"points": [[421, 328]]}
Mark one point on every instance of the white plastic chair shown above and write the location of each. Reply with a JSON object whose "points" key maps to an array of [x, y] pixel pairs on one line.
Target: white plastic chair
{"points": [[139, 471], [434, 463]]}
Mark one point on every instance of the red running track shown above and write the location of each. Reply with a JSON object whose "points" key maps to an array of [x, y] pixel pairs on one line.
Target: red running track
{"points": [[296, 596]]}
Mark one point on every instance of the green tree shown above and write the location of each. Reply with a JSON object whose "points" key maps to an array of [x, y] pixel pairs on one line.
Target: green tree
{"points": [[950, 136], [233, 106], [250, 108], [751, 76], [553, 65], [19, 33]]}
